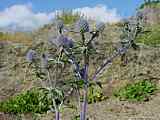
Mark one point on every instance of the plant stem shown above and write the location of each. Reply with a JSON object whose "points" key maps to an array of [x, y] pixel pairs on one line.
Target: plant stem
{"points": [[83, 39], [84, 104], [57, 115]]}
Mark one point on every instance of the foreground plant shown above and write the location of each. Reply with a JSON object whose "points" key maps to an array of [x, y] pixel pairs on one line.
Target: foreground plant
{"points": [[139, 91], [33, 101], [77, 55]]}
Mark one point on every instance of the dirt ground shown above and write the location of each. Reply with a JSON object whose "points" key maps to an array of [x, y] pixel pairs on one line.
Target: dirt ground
{"points": [[110, 109]]}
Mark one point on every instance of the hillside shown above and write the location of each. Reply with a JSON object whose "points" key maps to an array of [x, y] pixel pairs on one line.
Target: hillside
{"points": [[142, 64]]}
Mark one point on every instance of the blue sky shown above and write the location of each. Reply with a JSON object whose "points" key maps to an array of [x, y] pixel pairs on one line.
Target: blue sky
{"points": [[32, 14], [124, 7]]}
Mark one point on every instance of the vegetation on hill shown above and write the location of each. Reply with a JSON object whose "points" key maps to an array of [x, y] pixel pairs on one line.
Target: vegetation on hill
{"points": [[17, 37], [139, 91], [132, 67], [68, 16], [151, 37], [34, 101], [151, 4]]}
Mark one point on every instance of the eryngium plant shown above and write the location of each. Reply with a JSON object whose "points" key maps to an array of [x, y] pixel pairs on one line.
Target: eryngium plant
{"points": [[82, 26], [100, 26], [62, 41], [78, 56], [31, 56], [60, 25]]}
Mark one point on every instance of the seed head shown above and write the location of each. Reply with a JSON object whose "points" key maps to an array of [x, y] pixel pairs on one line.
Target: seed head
{"points": [[100, 27], [31, 56], [60, 25], [82, 26], [64, 41], [82, 73], [139, 15], [44, 60]]}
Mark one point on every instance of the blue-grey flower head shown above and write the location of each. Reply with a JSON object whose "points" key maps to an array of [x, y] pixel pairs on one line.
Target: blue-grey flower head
{"points": [[82, 73], [67, 42], [82, 26], [100, 27], [31, 56], [125, 21], [44, 60], [62, 40], [139, 15], [59, 24]]}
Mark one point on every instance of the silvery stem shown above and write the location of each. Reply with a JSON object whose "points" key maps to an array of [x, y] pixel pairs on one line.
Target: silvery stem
{"points": [[109, 61], [84, 104], [57, 115]]}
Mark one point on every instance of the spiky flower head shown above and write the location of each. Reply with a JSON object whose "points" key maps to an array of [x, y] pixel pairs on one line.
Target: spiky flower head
{"points": [[44, 60], [62, 40], [139, 15], [126, 23], [125, 42], [67, 42], [82, 26], [31, 55], [60, 25], [100, 26], [82, 73]]}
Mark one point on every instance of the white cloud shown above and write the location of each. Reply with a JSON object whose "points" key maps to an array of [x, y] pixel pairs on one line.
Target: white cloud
{"points": [[100, 13], [22, 16]]}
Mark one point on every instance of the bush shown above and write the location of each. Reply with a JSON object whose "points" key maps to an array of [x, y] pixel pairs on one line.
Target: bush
{"points": [[95, 94], [33, 101], [68, 17], [139, 91], [151, 38]]}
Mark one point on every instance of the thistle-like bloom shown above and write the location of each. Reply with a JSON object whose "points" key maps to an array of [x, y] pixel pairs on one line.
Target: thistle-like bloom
{"points": [[125, 42], [64, 41], [44, 60], [31, 56], [82, 26], [82, 73], [60, 25], [67, 42], [139, 15], [100, 27]]}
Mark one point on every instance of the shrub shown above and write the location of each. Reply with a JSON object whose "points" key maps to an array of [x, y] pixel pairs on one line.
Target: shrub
{"points": [[68, 16], [95, 94], [139, 91], [151, 38], [33, 101]]}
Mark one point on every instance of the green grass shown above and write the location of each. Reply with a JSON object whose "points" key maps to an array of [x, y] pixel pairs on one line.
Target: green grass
{"points": [[17, 37], [33, 101], [138, 91], [95, 94], [151, 38]]}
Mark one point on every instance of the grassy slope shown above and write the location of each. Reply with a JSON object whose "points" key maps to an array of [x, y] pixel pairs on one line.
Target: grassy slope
{"points": [[153, 4], [151, 38], [117, 72]]}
